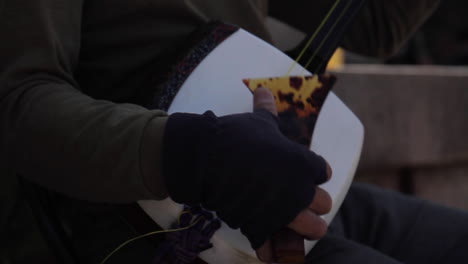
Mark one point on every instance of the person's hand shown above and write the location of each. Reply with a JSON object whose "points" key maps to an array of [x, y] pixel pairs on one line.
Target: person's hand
{"points": [[308, 222], [243, 168]]}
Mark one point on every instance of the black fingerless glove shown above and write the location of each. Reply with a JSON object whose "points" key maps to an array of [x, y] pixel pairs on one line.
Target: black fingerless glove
{"points": [[242, 167]]}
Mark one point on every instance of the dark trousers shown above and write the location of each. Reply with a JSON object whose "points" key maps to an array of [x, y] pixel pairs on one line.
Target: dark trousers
{"points": [[379, 226], [372, 226]]}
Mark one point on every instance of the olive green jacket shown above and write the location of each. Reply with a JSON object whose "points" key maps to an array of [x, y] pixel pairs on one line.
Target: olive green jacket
{"points": [[70, 70]]}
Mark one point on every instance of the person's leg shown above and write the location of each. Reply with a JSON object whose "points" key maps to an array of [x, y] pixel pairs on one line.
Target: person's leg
{"points": [[407, 229], [334, 249]]}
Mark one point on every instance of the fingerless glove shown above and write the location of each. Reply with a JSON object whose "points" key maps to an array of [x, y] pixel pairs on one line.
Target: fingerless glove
{"points": [[241, 167]]}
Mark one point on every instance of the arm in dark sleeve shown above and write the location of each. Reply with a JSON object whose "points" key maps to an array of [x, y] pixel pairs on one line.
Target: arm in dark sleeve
{"points": [[53, 134], [379, 30]]}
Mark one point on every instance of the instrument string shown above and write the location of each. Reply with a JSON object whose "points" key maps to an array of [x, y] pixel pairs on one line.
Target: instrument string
{"points": [[312, 38], [327, 36], [198, 219]]}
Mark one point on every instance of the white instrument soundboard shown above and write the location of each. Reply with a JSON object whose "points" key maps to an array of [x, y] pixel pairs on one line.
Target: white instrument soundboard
{"points": [[338, 134]]}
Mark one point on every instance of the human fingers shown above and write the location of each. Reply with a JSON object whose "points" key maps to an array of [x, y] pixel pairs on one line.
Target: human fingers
{"points": [[309, 224], [264, 99], [329, 172], [265, 252], [322, 202], [317, 165]]}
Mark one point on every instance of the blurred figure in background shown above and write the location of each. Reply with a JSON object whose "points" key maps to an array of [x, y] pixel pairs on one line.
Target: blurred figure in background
{"points": [[442, 40]]}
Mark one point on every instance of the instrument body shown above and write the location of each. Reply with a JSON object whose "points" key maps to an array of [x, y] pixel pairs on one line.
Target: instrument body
{"points": [[216, 84]]}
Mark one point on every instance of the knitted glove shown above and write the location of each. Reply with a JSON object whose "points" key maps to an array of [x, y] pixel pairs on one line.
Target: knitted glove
{"points": [[242, 167]]}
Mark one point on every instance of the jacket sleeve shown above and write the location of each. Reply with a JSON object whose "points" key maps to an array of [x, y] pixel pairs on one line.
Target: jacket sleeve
{"points": [[379, 30], [53, 134]]}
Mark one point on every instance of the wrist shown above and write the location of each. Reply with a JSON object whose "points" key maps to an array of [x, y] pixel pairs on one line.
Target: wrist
{"points": [[186, 149], [151, 159]]}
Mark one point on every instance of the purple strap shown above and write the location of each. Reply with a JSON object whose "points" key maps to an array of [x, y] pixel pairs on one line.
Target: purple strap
{"points": [[183, 247]]}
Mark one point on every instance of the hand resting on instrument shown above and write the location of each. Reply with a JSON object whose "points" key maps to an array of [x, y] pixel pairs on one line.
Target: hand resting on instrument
{"points": [[242, 167]]}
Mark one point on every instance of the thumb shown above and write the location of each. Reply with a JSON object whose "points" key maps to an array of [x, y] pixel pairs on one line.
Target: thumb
{"points": [[263, 99]]}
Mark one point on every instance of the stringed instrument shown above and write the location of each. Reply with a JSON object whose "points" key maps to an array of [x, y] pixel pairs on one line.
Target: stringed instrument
{"points": [[219, 73]]}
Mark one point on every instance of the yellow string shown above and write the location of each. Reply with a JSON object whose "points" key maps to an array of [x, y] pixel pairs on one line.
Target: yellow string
{"points": [[313, 37], [328, 34], [151, 234]]}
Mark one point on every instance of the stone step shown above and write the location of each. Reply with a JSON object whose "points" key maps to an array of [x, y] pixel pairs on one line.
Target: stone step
{"points": [[413, 115]]}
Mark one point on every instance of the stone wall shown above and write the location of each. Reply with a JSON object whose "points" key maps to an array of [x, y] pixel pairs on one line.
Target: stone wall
{"points": [[416, 121]]}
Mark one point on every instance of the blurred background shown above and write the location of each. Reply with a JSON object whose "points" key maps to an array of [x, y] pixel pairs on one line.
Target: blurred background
{"points": [[414, 107], [415, 110]]}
